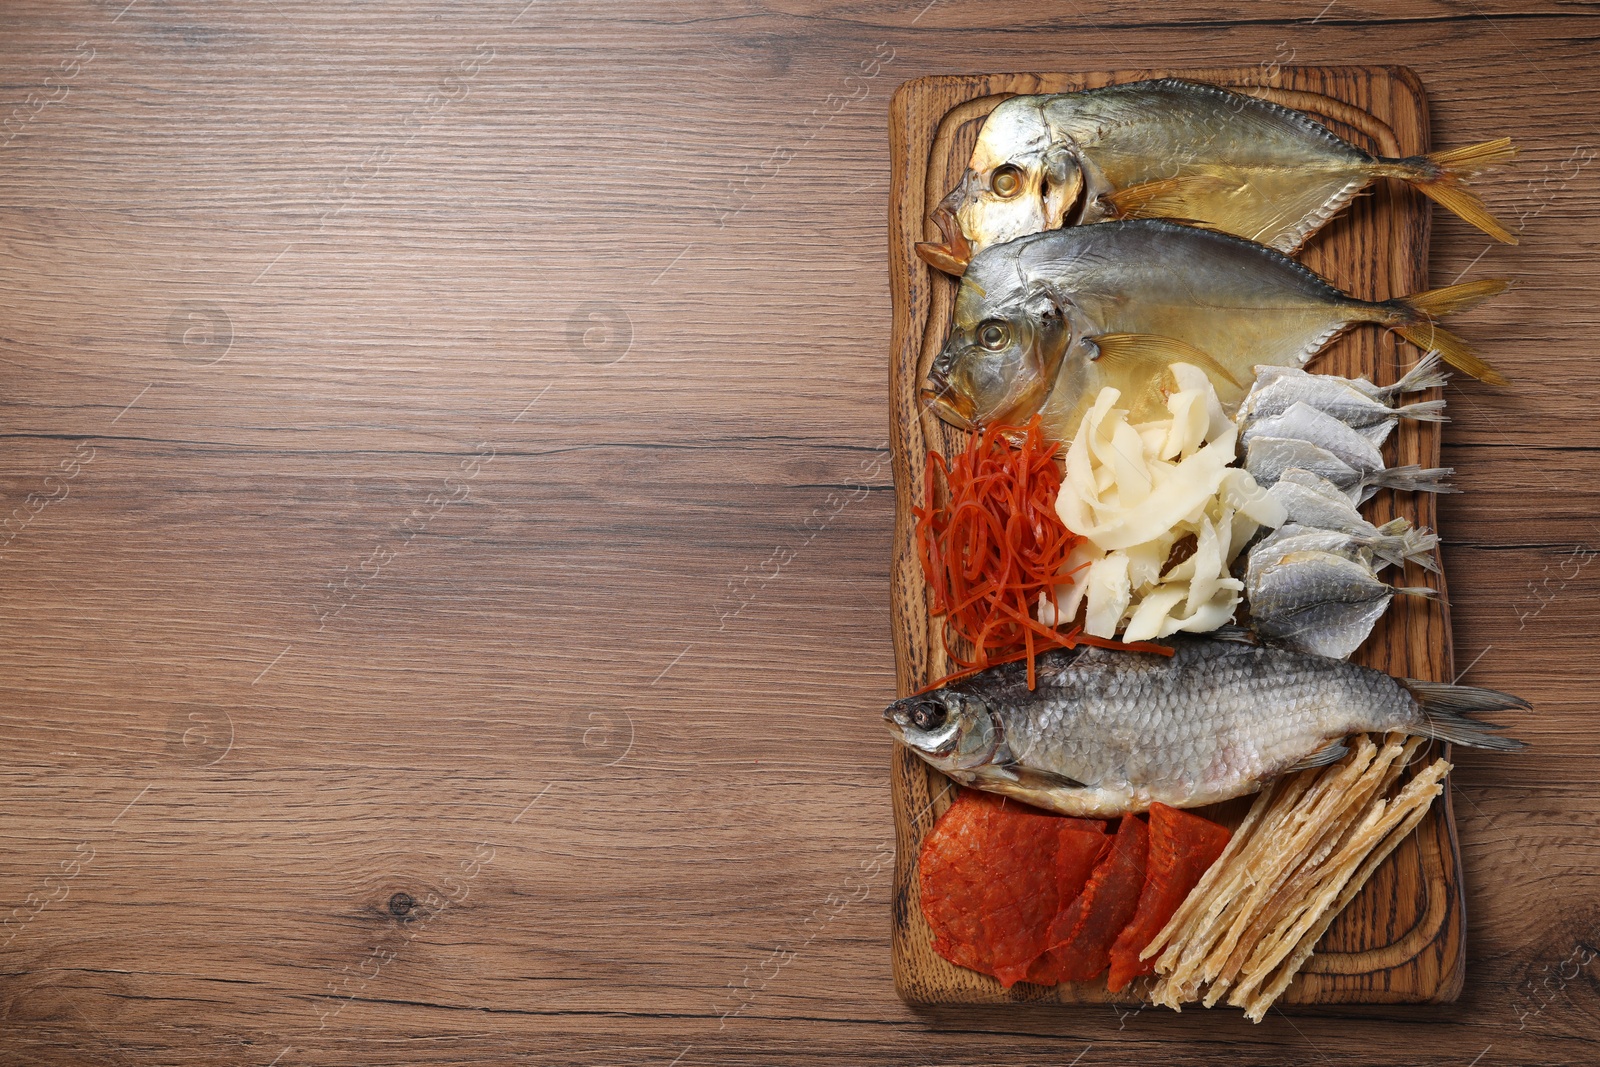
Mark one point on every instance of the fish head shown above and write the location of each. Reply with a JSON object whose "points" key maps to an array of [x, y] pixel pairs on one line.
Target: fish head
{"points": [[952, 730], [1005, 348], [1024, 176]]}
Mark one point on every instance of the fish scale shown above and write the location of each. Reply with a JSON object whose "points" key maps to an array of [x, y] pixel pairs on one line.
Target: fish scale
{"points": [[1108, 731], [1145, 711]]}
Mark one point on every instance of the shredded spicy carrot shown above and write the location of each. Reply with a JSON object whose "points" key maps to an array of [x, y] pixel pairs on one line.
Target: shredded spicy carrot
{"points": [[995, 546]]}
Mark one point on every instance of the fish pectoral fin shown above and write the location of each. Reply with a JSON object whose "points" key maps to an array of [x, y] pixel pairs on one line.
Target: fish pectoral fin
{"points": [[1242, 635], [1181, 199], [1149, 354], [1034, 778], [1332, 752]]}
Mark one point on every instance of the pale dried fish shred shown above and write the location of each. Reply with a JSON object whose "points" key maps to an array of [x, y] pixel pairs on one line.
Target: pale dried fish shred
{"points": [[1410, 810], [1303, 852], [1237, 843], [1305, 823], [1180, 964], [1183, 961], [1301, 876], [1374, 780]]}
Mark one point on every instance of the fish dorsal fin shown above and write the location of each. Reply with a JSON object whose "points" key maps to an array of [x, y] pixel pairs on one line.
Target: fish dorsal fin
{"points": [[1151, 354], [1332, 752], [1258, 99]]}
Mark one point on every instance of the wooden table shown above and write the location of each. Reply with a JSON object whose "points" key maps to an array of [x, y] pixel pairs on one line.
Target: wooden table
{"points": [[445, 580]]}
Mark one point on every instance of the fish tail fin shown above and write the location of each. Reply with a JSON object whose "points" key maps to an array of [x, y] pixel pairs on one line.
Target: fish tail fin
{"points": [[1428, 373], [1398, 542], [1421, 547], [953, 253], [1445, 709], [1448, 299], [1422, 592], [1412, 478], [1440, 176], [1463, 202], [1470, 160], [1423, 411], [1415, 318]]}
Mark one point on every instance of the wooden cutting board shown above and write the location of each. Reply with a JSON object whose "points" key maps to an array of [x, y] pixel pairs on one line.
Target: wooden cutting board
{"points": [[1401, 940]]}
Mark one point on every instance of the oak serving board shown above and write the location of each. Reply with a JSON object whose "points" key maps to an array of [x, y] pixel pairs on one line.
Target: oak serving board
{"points": [[1401, 940]]}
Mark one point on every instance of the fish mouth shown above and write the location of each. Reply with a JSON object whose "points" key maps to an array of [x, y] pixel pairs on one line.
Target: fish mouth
{"points": [[897, 719], [953, 253], [951, 407]]}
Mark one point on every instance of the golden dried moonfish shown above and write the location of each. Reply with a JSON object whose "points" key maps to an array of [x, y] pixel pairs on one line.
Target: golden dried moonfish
{"points": [[1043, 323], [1187, 151]]}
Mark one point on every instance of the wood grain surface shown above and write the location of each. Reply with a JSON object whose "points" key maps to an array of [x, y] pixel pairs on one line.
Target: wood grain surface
{"points": [[1400, 940], [446, 610]]}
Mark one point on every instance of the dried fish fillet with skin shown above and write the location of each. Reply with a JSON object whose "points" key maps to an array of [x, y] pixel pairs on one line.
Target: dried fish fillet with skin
{"points": [[1268, 458], [1356, 402], [1320, 602], [1302, 422], [1393, 545], [1334, 630], [1372, 420], [1427, 373], [1310, 501]]}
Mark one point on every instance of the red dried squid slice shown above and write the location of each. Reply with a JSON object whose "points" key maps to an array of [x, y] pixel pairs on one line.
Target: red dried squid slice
{"points": [[991, 883], [1182, 846], [1081, 937]]}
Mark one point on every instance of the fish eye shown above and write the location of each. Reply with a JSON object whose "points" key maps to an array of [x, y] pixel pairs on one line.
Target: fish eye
{"points": [[993, 334], [929, 716], [1006, 181]]}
